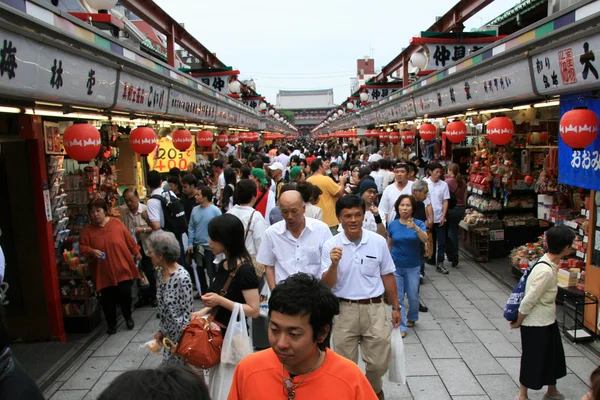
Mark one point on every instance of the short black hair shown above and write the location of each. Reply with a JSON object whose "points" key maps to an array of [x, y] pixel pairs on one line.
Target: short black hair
{"points": [[363, 171], [434, 166], [245, 172], [173, 382], [98, 203], [558, 237], [229, 176], [217, 163], [349, 201], [207, 192], [236, 164], [127, 190], [413, 167], [258, 163], [305, 189], [174, 179], [244, 191], [290, 297], [375, 166], [413, 203], [190, 179], [316, 164], [174, 172], [153, 178]]}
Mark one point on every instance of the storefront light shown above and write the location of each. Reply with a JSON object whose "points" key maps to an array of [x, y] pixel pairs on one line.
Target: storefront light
{"points": [[547, 104], [525, 107], [496, 110], [471, 113], [87, 109], [43, 103], [11, 110], [50, 113]]}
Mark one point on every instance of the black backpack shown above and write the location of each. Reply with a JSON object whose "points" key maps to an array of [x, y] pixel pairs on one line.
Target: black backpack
{"points": [[174, 213]]}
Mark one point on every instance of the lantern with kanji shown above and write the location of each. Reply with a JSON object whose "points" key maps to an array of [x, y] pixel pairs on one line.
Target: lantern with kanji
{"points": [[82, 142], [500, 130], [233, 139], [456, 132], [427, 132], [384, 136], [204, 138], [222, 140], [579, 128], [243, 137], [408, 137], [182, 139], [143, 140], [252, 137], [394, 137]]}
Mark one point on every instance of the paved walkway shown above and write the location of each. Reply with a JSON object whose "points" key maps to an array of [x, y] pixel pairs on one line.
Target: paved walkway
{"points": [[461, 349]]}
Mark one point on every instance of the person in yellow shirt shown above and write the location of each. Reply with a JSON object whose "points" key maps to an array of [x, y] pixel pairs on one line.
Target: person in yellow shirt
{"points": [[331, 192]]}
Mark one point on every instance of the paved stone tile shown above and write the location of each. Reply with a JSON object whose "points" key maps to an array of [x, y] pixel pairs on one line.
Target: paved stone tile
{"points": [[581, 366], [395, 390], [152, 361], [141, 316], [489, 308], [513, 335], [457, 378], [69, 395], [52, 389], [102, 384], [147, 331], [130, 358], [115, 344], [471, 291], [572, 387], [485, 284], [417, 362], [512, 366], [496, 343], [427, 388], [442, 283], [470, 398], [474, 318], [455, 298], [428, 291], [73, 368], [457, 331], [499, 297], [437, 345], [441, 309], [498, 387], [455, 276], [571, 350], [427, 324], [478, 358], [88, 374]]}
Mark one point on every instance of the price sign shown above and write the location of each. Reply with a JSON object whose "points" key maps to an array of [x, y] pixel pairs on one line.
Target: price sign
{"points": [[497, 235], [166, 156]]}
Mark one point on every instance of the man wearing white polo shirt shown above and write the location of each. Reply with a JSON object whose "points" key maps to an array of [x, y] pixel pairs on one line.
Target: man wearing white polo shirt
{"points": [[357, 266], [393, 191], [294, 244], [439, 194]]}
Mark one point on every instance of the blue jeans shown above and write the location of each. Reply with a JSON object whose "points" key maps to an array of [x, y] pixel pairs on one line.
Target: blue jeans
{"points": [[455, 215], [439, 241], [407, 281]]}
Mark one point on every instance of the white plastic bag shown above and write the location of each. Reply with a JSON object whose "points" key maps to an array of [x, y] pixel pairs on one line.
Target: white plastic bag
{"points": [[236, 343], [265, 293], [220, 381], [397, 365]]}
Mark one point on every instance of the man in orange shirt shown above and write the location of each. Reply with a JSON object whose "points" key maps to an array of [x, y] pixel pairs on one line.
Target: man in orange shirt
{"points": [[299, 364], [331, 192]]}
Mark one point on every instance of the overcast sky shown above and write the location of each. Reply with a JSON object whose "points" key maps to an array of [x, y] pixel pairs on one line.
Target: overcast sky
{"points": [[311, 44]]}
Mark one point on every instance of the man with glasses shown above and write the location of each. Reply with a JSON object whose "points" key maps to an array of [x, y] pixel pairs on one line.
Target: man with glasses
{"points": [[392, 192], [439, 194]]}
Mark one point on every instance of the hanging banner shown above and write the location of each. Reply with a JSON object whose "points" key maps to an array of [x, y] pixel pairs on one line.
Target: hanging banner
{"points": [[218, 81], [378, 92], [252, 102], [166, 156], [193, 108], [141, 95]]}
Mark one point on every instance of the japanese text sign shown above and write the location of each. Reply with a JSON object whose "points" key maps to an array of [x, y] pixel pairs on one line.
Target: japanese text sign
{"points": [[166, 156], [138, 94]]}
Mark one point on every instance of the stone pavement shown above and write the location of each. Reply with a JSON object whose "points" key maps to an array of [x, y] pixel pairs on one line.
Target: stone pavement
{"points": [[462, 349]]}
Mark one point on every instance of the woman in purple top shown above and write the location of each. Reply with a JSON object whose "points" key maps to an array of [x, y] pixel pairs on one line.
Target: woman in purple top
{"points": [[458, 188]]}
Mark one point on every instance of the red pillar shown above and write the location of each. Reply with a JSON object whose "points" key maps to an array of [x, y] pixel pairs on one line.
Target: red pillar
{"points": [[171, 46], [32, 131]]}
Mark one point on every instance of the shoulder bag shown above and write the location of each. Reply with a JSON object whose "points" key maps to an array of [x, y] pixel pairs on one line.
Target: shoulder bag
{"points": [[259, 269]]}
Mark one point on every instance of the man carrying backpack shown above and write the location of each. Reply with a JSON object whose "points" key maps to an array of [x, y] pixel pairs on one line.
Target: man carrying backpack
{"points": [[165, 211]]}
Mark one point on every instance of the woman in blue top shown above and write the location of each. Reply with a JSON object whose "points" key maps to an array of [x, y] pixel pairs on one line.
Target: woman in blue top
{"points": [[404, 237]]}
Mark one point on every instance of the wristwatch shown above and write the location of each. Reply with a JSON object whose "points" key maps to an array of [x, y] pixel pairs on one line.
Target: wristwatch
{"points": [[395, 308]]}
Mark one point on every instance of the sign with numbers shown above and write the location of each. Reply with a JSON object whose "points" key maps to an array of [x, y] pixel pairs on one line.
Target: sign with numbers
{"points": [[166, 156]]}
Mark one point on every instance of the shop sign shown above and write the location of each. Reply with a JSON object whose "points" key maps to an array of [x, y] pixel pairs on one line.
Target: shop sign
{"points": [[377, 93], [219, 83], [507, 83], [470, 141], [252, 103], [190, 107], [38, 71], [570, 67], [166, 156], [497, 235], [141, 95], [443, 54]]}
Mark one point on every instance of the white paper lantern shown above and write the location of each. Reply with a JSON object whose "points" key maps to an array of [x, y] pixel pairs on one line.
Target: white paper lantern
{"points": [[350, 106], [102, 4], [364, 96], [271, 112], [276, 115], [262, 106], [235, 87], [419, 60], [340, 112]]}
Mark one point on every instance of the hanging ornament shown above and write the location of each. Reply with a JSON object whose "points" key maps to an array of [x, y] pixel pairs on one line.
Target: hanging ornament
{"points": [[427, 132], [528, 180], [394, 137], [233, 139], [408, 137], [222, 140], [82, 142], [456, 132], [383, 136], [579, 128], [500, 130], [182, 139], [204, 138], [252, 137], [143, 140], [243, 137]]}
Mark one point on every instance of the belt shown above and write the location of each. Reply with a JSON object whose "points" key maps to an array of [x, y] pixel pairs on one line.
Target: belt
{"points": [[374, 300]]}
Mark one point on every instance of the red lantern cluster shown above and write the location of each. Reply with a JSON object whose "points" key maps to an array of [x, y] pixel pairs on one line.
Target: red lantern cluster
{"points": [[204, 138], [384, 136], [408, 137], [500, 130], [233, 139], [243, 137], [182, 139], [82, 142], [222, 140], [252, 137], [456, 131], [372, 134], [427, 132], [143, 140], [394, 137], [579, 128]]}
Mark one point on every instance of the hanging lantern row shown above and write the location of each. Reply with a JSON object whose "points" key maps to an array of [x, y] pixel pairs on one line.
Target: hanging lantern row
{"points": [[182, 139], [500, 130], [427, 132], [579, 128], [408, 137], [143, 140], [394, 137], [456, 131], [82, 142]]}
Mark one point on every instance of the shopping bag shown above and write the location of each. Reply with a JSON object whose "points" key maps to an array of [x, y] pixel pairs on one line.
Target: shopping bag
{"points": [[236, 344], [220, 379], [265, 293], [397, 365]]}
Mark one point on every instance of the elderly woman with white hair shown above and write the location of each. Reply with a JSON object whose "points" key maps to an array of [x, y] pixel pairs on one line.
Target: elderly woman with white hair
{"points": [[173, 291]]}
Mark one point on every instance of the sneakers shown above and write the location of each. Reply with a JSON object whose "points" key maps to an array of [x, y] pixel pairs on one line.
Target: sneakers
{"points": [[423, 307], [130, 324], [441, 269], [410, 324]]}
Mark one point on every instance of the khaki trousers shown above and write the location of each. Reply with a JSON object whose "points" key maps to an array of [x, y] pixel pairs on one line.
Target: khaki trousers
{"points": [[367, 325]]}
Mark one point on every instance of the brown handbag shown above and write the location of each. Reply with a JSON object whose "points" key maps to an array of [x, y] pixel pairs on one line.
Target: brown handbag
{"points": [[201, 342]]}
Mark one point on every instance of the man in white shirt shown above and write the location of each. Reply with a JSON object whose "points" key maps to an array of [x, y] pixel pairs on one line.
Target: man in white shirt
{"points": [[439, 194], [375, 157], [358, 267], [392, 192], [377, 177], [218, 168], [385, 167], [294, 244]]}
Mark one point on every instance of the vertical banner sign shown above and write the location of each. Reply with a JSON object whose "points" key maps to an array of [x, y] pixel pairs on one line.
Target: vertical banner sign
{"points": [[166, 156], [579, 168]]}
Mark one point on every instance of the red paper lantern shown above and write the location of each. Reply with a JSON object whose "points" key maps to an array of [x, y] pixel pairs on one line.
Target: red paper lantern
{"points": [[528, 180], [500, 130], [456, 131], [243, 137], [384, 136], [252, 137], [233, 139], [182, 139], [427, 132], [82, 142], [222, 140], [408, 137], [204, 138], [394, 137], [143, 140], [579, 128]]}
